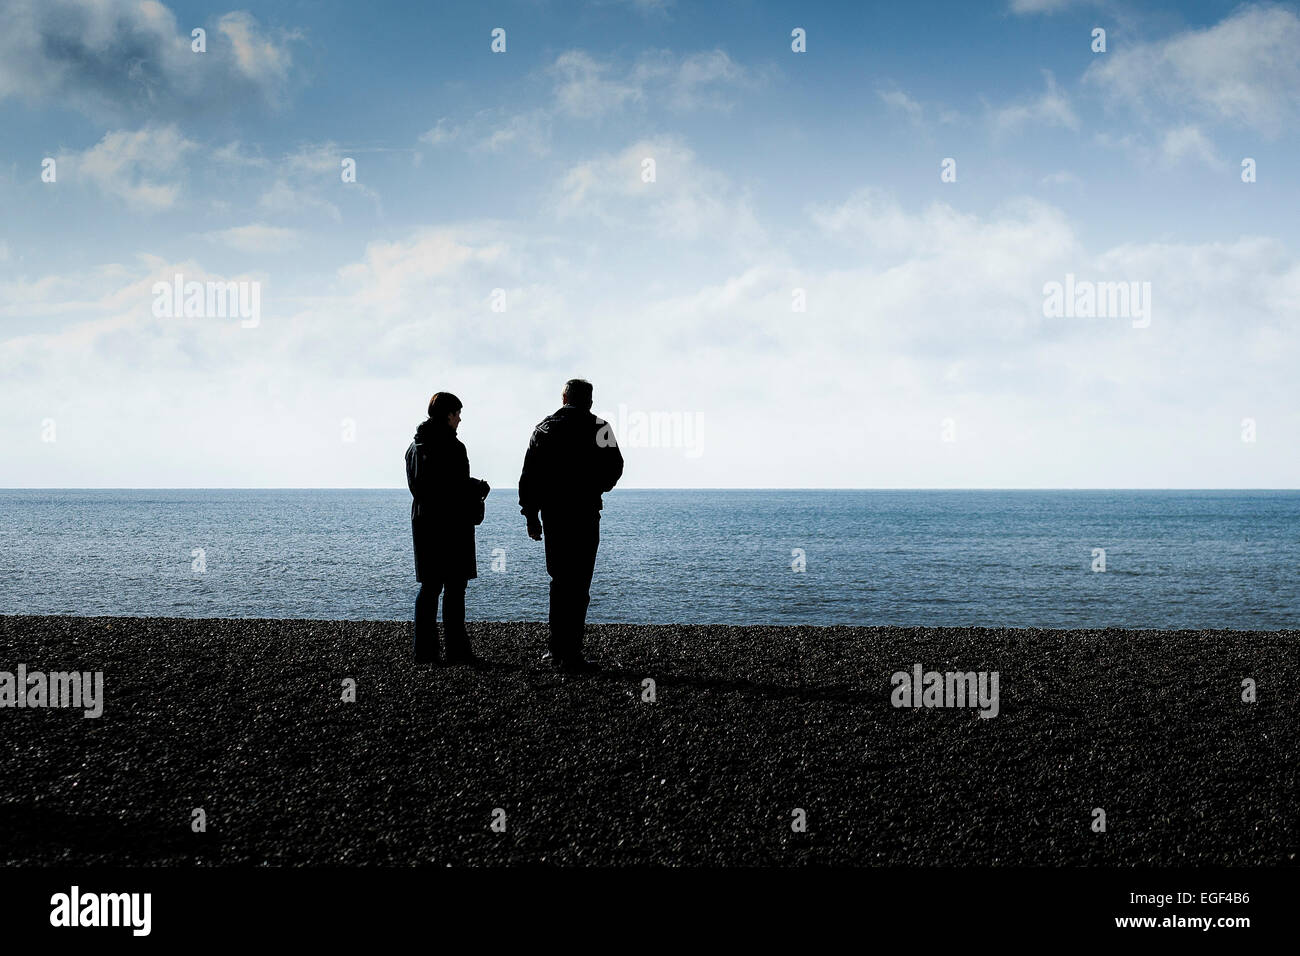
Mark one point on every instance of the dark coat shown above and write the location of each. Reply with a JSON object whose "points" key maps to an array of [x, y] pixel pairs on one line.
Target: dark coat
{"points": [[444, 504], [572, 459]]}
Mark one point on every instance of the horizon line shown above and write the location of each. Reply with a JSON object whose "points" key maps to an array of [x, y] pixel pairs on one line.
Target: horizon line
{"points": [[633, 488]]}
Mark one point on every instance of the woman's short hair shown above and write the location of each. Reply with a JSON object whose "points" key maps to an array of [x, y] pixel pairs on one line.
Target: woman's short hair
{"points": [[443, 404]]}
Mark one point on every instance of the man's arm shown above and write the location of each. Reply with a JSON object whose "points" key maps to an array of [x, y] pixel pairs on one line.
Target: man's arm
{"points": [[531, 483], [529, 479], [609, 460]]}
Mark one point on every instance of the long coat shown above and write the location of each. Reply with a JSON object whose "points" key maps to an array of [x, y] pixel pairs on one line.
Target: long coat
{"points": [[444, 504]]}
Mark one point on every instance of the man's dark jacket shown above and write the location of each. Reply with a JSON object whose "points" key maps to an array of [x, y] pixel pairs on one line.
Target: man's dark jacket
{"points": [[444, 504], [572, 460]]}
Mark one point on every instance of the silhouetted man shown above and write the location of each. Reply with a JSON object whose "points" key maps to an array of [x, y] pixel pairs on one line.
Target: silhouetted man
{"points": [[572, 460]]}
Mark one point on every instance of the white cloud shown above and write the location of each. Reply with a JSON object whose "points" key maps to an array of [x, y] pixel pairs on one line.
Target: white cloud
{"points": [[687, 200], [1242, 72], [442, 132], [913, 315], [317, 159], [899, 100], [394, 276], [917, 112], [642, 6], [872, 217], [1169, 147], [256, 56], [233, 154], [120, 59], [495, 130], [1188, 141], [283, 200], [697, 81], [257, 238], [138, 167], [528, 130], [585, 87], [1039, 6], [1052, 108]]}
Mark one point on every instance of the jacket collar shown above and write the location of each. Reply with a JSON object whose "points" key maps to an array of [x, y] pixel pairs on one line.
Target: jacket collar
{"points": [[432, 431]]}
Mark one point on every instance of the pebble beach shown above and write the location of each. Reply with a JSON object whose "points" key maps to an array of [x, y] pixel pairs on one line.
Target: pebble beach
{"points": [[766, 746]]}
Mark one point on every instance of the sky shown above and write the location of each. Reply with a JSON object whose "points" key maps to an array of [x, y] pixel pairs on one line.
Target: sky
{"points": [[827, 267]]}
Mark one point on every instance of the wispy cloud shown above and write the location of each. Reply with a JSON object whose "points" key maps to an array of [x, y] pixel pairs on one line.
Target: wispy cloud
{"points": [[256, 55], [919, 113], [585, 87], [897, 99], [1050, 108], [1040, 6], [940, 311], [1242, 72], [1062, 177], [780, 181], [257, 238], [1188, 141], [140, 167], [686, 199], [283, 199]]}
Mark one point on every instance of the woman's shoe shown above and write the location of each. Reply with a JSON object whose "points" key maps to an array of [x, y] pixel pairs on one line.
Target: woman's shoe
{"points": [[458, 648]]}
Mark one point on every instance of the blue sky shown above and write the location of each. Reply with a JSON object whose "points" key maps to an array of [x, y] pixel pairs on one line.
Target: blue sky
{"points": [[923, 358]]}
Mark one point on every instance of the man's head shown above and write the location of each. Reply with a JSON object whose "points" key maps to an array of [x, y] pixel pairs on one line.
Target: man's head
{"points": [[577, 392], [445, 407]]}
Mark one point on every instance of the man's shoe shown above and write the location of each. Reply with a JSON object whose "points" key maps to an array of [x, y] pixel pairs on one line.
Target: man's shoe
{"points": [[463, 655], [576, 665]]}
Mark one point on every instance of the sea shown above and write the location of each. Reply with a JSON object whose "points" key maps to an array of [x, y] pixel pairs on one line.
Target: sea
{"points": [[1061, 559]]}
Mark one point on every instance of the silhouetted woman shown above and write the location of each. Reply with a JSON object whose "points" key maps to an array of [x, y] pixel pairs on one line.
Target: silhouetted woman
{"points": [[446, 505]]}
